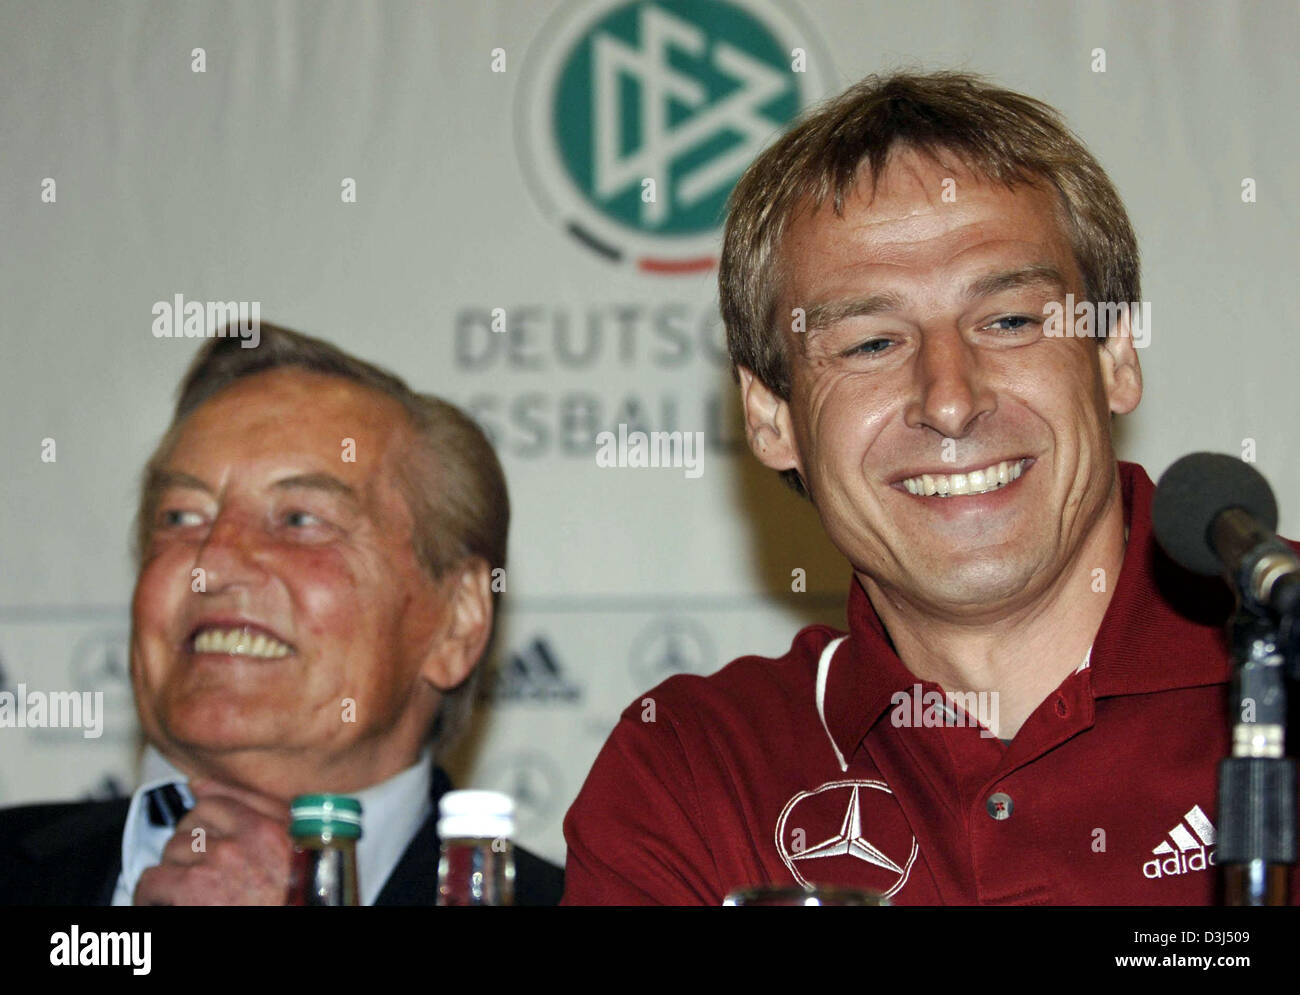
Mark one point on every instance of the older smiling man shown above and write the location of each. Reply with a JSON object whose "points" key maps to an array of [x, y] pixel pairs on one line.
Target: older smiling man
{"points": [[317, 544], [886, 274]]}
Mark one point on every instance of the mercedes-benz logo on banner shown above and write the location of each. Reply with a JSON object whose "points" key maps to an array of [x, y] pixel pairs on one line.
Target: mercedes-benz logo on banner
{"points": [[101, 662], [635, 118], [824, 837], [533, 781], [670, 646]]}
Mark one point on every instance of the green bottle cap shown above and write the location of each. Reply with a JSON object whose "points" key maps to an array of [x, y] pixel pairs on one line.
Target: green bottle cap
{"points": [[318, 815]]}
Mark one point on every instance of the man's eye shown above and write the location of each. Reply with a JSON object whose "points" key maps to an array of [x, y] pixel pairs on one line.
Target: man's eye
{"points": [[869, 348], [301, 519], [1013, 322], [175, 518]]}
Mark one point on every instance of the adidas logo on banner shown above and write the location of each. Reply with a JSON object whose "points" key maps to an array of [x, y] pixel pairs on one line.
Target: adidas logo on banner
{"points": [[1192, 849], [533, 674]]}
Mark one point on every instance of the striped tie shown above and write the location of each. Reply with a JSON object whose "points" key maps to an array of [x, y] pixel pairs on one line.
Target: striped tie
{"points": [[167, 806]]}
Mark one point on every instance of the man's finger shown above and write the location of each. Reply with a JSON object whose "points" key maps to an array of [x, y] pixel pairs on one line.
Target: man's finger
{"points": [[158, 885], [225, 876]]}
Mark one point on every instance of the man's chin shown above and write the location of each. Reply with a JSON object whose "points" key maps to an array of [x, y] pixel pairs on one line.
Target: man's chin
{"points": [[972, 589], [208, 730], [204, 746]]}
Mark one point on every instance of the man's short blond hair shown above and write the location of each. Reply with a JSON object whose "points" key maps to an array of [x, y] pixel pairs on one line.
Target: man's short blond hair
{"points": [[999, 135], [453, 482]]}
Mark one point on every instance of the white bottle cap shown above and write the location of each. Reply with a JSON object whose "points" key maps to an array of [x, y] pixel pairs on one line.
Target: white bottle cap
{"points": [[476, 814]]}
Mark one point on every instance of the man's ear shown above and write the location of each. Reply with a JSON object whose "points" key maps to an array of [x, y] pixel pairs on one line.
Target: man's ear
{"points": [[767, 424], [465, 628], [1120, 370]]}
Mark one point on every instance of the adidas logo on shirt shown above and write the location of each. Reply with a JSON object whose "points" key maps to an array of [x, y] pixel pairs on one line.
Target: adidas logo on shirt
{"points": [[1192, 848]]}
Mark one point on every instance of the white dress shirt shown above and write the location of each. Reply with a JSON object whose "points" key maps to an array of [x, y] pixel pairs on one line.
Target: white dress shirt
{"points": [[391, 814]]}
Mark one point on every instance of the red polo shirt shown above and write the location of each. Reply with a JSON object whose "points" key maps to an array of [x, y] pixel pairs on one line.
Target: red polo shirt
{"points": [[754, 775]]}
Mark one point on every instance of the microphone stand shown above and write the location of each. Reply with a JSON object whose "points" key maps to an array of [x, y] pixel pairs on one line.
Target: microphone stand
{"points": [[1257, 782]]}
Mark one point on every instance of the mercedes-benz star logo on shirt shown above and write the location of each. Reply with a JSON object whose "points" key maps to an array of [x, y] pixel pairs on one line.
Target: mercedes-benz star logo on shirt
{"points": [[842, 800]]}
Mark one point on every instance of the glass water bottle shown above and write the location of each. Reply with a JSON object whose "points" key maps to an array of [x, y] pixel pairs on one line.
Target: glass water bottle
{"points": [[325, 830], [477, 866]]}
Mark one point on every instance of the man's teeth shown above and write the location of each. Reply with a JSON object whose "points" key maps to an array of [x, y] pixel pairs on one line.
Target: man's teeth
{"points": [[975, 482], [240, 642]]}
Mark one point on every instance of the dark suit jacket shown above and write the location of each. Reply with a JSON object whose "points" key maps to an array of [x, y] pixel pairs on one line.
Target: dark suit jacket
{"points": [[71, 854]]}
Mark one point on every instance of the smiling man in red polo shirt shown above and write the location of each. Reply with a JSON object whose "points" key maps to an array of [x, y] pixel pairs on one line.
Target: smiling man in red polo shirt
{"points": [[1023, 711]]}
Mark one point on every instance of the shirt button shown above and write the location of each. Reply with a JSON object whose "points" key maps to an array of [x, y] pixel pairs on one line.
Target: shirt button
{"points": [[999, 805]]}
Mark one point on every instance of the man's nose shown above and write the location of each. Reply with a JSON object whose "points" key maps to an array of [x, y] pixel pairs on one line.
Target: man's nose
{"points": [[951, 387], [229, 555]]}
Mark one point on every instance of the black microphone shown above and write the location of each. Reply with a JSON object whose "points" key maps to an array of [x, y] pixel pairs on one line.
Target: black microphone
{"points": [[1216, 515]]}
